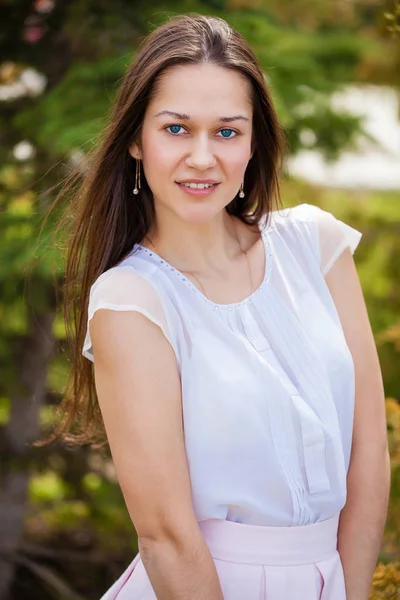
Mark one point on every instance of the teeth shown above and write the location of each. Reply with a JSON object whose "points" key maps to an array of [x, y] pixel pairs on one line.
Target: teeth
{"points": [[198, 186]]}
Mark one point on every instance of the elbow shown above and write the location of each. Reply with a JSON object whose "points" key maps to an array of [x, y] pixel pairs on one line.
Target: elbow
{"points": [[170, 543], [167, 533]]}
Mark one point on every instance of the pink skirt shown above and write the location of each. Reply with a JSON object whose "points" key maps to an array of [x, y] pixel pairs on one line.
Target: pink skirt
{"points": [[259, 563]]}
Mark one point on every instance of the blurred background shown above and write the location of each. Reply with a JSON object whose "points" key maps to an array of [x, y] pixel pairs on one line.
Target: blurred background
{"points": [[334, 70]]}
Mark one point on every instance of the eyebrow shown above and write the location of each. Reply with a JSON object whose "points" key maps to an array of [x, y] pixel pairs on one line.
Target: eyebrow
{"points": [[185, 117]]}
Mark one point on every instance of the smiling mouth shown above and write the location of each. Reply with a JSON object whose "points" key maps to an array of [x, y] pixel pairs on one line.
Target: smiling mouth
{"points": [[198, 186]]}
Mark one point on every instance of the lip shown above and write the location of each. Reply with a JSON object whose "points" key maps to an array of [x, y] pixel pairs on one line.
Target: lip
{"points": [[198, 181]]}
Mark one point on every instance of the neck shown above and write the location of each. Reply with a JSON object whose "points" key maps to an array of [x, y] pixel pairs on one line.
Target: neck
{"points": [[197, 248]]}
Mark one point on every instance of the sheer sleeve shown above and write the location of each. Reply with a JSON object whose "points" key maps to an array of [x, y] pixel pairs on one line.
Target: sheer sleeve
{"points": [[122, 289], [333, 235]]}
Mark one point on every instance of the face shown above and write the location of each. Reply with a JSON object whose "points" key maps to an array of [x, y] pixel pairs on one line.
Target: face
{"points": [[197, 129]]}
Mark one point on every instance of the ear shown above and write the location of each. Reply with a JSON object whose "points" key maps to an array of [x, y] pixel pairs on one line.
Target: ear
{"points": [[134, 150]]}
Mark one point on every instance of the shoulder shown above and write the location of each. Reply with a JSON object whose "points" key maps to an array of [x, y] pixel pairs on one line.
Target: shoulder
{"points": [[298, 222], [307, 214], [319, 230], [121, 289], [120, 286]]}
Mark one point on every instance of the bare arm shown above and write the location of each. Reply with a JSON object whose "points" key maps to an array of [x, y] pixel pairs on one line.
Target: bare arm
{"points": [[139, 392], [363, 517]]}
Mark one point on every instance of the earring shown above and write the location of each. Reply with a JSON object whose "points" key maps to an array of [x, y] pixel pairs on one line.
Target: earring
{"points": [[241, 192], [137, 178]]}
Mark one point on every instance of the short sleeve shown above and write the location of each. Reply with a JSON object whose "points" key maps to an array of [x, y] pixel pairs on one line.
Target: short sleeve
{"points": [[333, 235], [122, 289]]}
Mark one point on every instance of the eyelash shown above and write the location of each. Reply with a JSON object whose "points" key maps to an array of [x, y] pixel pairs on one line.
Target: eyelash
{"points": [[223, 129]]}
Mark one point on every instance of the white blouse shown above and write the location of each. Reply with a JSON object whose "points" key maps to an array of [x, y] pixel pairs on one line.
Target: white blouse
{"points": [[267, 383]]}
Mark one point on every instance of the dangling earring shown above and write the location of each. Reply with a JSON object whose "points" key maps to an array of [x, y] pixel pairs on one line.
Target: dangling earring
{"points": [[241, 192], [137, 178]]}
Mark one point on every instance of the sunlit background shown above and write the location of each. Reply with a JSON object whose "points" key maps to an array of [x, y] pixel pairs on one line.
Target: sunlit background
{"points": [[334, 71]]}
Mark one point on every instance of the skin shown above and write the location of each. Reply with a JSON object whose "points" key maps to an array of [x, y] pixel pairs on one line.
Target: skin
{"points": [[363, 517], [142, 410], [195, 234], [142, 406]]}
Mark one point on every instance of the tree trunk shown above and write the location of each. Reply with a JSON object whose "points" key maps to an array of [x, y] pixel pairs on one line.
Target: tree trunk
{"points": [[28, 394]]}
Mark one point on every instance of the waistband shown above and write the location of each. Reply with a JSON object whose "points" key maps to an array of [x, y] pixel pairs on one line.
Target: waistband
{"points": [[274, 546]]}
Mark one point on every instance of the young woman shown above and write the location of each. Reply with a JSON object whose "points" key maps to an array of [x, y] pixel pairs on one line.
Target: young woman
{"points": [[235, 368]]}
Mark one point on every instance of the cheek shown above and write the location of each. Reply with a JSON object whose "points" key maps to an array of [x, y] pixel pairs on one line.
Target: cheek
{"points": [[159, 155], [236, 157]]}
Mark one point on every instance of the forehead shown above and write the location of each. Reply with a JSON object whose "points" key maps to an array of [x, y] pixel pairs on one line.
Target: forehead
{"points": [[202, 90]]}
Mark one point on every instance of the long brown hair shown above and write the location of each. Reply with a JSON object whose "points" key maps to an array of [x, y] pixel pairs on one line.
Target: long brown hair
{"points": [[107, 220]]}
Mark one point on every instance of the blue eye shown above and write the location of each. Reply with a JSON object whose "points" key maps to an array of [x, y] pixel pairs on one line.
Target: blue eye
{"points": [[226, 133], [174, 128]]}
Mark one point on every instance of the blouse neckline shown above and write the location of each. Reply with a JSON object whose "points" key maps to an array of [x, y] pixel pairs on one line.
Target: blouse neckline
{"points": [[216, 305]]}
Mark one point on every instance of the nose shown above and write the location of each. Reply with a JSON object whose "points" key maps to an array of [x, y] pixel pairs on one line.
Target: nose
{"points": [[201, 155]]}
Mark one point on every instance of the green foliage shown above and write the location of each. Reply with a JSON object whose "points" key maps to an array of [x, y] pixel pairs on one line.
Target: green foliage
{"points": [[393, 19], [61, 516], [99, 508], [57, 373], [71, 115], [303, 69], [47, 416], [47, 487], [5, 409]]}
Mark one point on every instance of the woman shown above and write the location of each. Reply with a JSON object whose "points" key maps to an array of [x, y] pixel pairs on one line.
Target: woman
{"points": [[230, 341]]}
